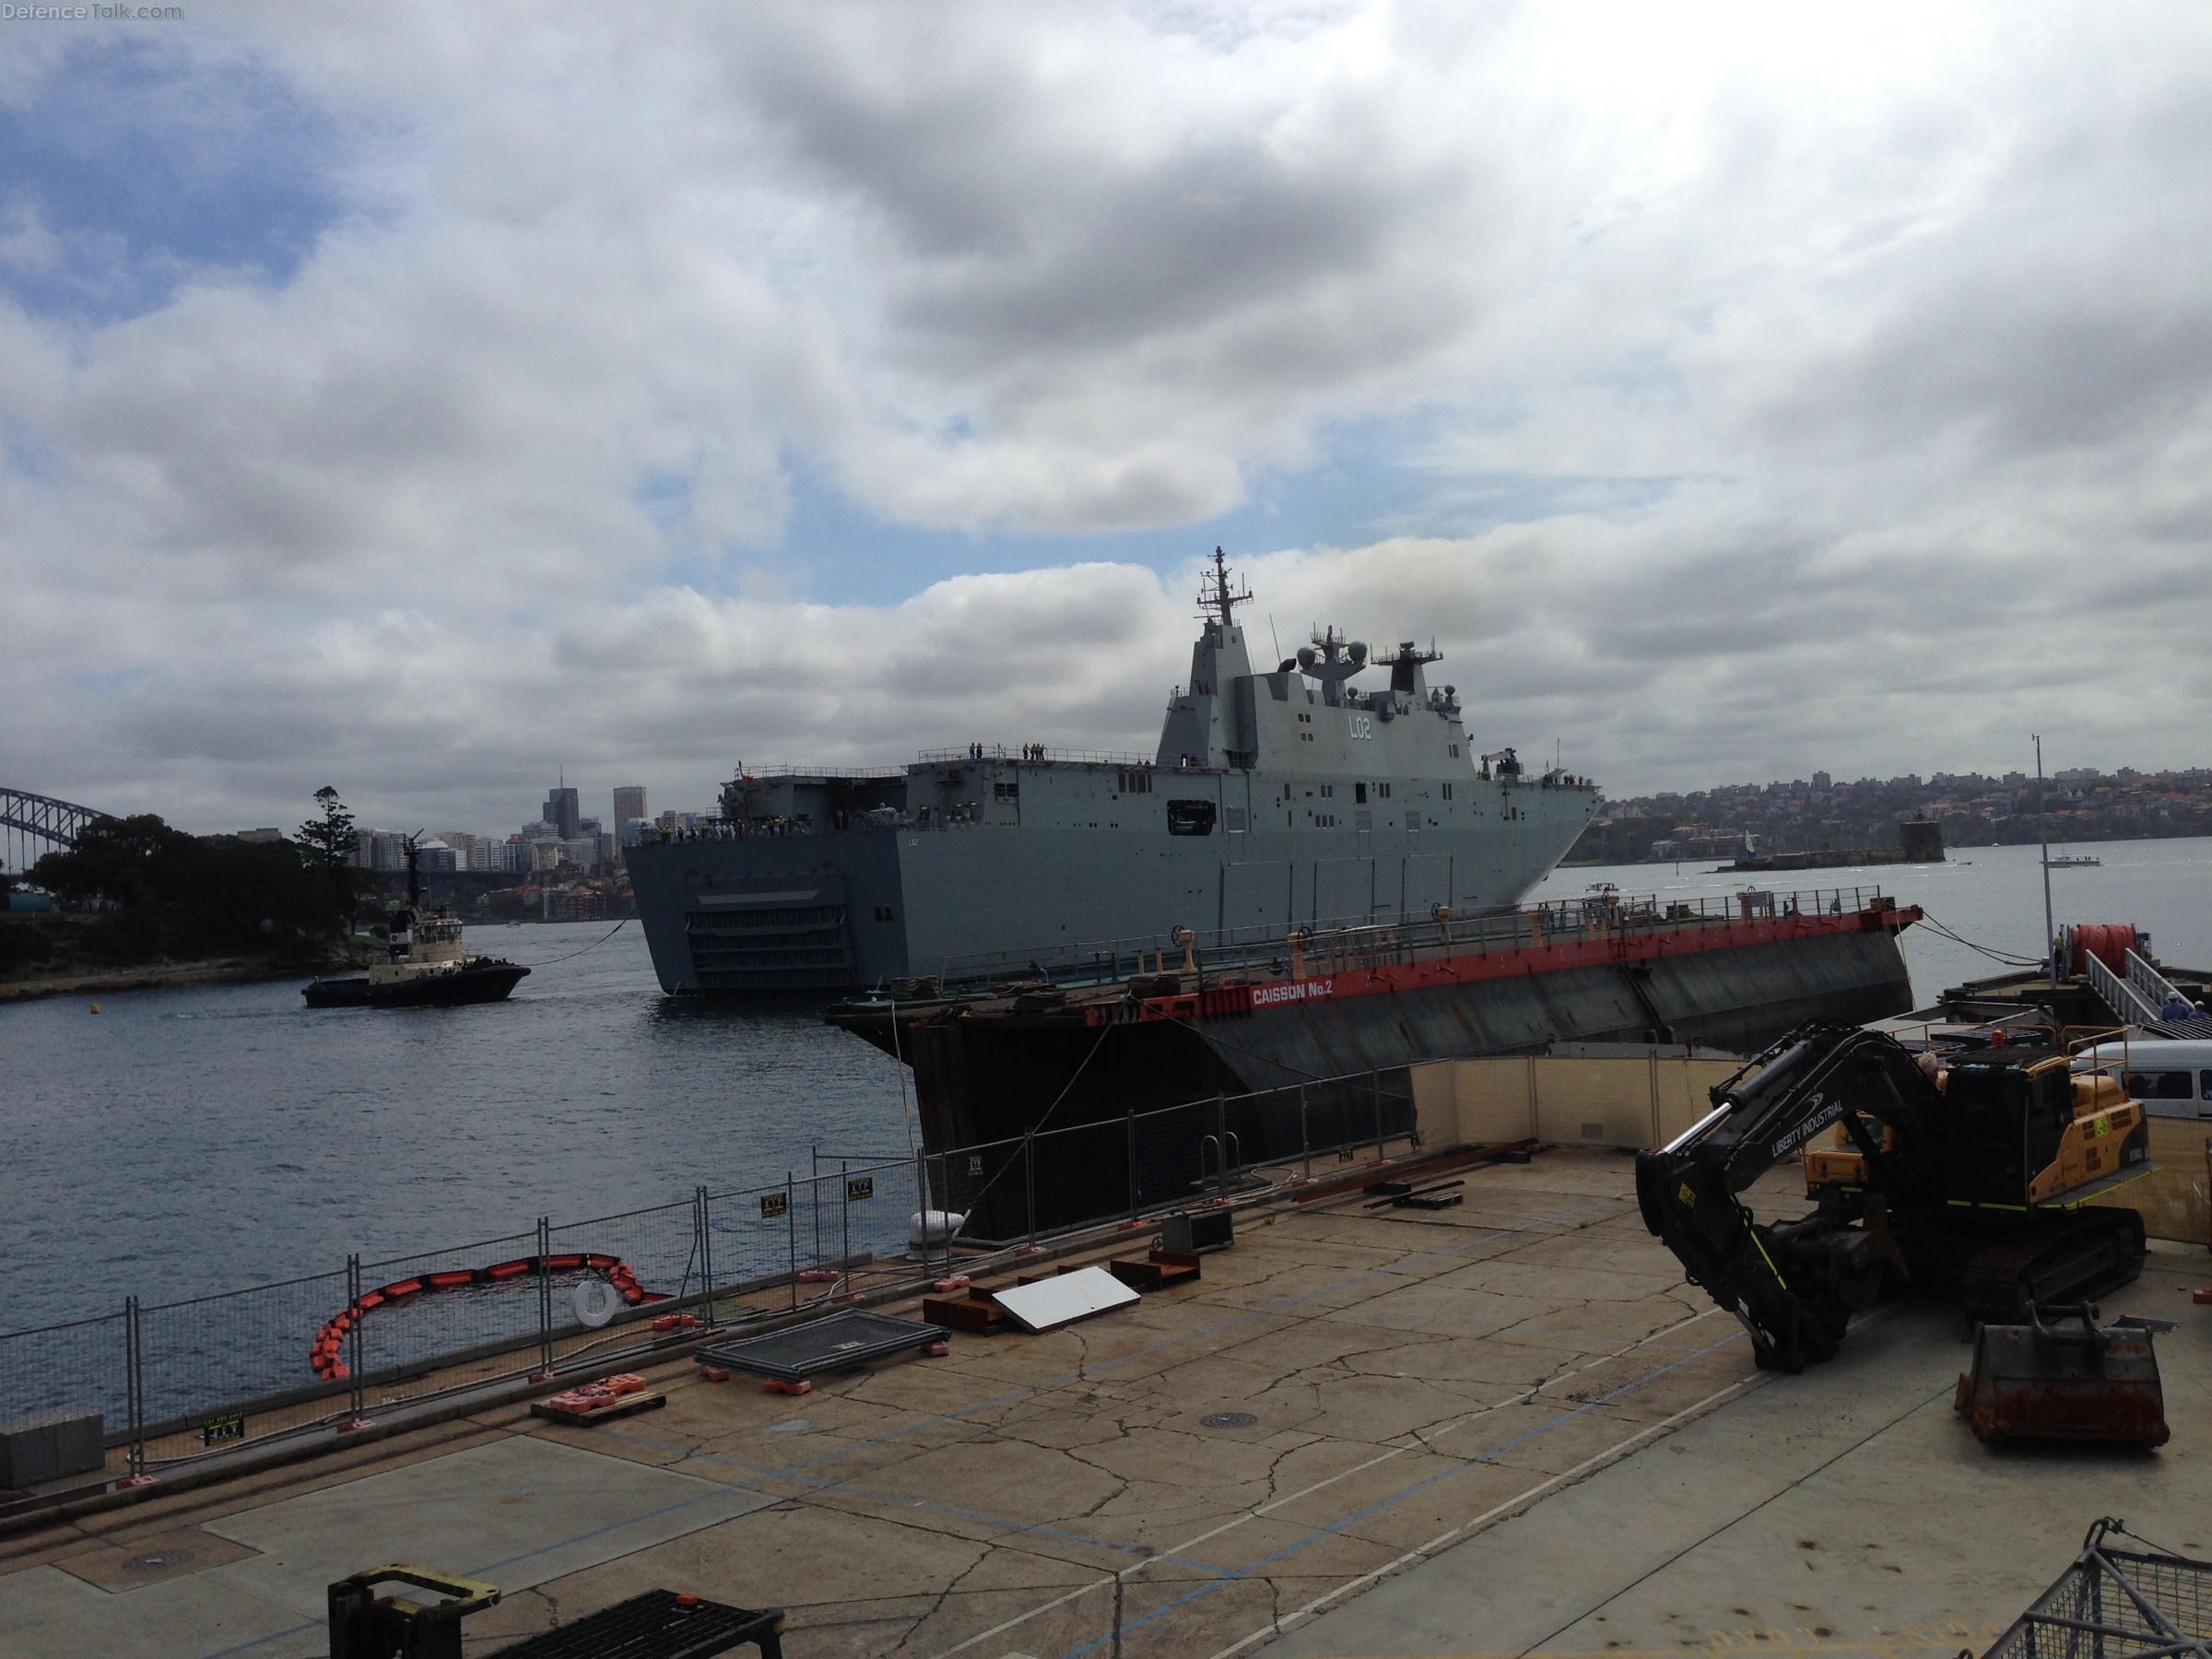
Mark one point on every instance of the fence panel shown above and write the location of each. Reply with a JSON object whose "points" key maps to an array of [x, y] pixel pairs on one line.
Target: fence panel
{"points": [[862, 1212], [1082, 1173], [219, 1369], [990, 1185], [664, 1254], [755, 1248], [444, 1319], [1170, 1147], [83, 1365], [1344, 1115]]}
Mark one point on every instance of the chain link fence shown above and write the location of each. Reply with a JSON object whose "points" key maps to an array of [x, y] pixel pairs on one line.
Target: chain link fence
{"points": [[177, 1381]]}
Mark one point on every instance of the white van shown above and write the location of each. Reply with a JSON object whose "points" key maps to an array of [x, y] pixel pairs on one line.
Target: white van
{"points": [[2172, 1078]]}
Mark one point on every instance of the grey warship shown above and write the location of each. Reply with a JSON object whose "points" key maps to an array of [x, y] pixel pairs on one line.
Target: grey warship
{"points": [[1274, 800]]}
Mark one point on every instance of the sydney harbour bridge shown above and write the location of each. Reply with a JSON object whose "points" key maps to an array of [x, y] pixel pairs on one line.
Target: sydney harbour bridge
{"points": [[33, 825]]}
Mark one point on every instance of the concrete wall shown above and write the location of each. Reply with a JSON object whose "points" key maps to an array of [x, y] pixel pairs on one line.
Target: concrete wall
{"points": [[1630, 1102], [2175, 1201], [1645, 1100]]}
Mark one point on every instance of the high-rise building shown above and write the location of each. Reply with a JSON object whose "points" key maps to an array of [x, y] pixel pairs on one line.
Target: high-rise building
{"points": [[630, 803], [563, 811], [387, 849]]}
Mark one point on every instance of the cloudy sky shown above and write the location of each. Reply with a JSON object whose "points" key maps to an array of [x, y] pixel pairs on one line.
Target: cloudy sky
{"points": [[420, 398]]}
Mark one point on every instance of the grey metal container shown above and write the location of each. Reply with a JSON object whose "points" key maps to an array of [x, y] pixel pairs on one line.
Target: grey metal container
{"points": [[48, 1446], [1194, 1234]]}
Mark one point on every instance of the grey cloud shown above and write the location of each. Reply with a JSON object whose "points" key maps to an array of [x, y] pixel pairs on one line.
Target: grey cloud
{"points": [[1846, 403]]}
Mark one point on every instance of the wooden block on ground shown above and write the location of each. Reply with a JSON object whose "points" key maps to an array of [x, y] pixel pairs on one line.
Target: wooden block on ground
{"points": [[1157, 1271], [580, 1416], [974, 1314]]}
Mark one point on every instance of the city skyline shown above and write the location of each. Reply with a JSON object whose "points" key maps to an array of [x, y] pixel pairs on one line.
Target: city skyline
{"points": [[560, 818]]}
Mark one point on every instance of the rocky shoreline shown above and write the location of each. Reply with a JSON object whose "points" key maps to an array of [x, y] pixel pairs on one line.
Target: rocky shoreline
{"points": [[163, 976]]}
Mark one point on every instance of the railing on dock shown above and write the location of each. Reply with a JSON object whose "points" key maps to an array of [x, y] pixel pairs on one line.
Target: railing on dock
{"points": [[182, 1381]]}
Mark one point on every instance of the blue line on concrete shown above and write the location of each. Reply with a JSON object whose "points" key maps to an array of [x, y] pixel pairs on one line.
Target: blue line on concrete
{"points": [[582, 1538], [714, 1491], [247, 1647], [1282, 1305], [795, 1472], [1241, 1573], [1013, 1528]]}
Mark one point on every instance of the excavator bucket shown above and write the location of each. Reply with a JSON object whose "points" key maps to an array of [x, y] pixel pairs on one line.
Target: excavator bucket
{"points": [[2063, 1376]]}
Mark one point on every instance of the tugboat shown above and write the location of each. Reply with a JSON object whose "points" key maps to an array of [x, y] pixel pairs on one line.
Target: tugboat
{"points": [[424, 965]]}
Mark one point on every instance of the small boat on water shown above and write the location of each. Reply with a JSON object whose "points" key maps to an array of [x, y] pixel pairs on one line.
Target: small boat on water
{"points": [[426, 965], [2077, 861]]}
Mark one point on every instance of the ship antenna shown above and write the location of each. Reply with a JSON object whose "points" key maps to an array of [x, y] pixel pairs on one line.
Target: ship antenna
{"points": [[1214, 592]]}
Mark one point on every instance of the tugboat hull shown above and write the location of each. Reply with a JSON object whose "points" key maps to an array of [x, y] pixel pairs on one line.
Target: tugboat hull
{"points": [[483, 981]]}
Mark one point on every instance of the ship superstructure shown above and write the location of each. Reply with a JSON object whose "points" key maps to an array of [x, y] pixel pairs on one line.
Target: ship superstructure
{"points": [[1275, 799]]}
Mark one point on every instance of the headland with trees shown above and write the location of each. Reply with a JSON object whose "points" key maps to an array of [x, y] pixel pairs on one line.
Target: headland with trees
{"points": [[137, 902]]}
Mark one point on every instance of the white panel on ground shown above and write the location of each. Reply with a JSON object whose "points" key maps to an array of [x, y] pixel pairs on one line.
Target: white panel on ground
{"points": [[1051, 1303]]}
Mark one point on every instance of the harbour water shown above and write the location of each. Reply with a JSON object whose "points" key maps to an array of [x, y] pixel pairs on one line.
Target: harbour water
{"points": [[1993, 896], [200, 1139]]}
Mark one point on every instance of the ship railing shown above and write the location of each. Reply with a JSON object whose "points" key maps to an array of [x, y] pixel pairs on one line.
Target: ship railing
{"points": [[2153, 986], [829, 774], [721, 828], [1034, 752], [2128, 1004], [1329, 945]]}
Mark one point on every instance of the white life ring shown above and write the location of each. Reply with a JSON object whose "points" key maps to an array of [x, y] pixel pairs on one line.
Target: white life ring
{"points": [[594, 1300]]}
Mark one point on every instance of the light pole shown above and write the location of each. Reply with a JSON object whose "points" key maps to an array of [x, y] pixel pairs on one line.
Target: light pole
{"points": [[2043, 819]]}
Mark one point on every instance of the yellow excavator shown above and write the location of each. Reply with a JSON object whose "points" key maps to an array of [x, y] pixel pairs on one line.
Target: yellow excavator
{"points": [[1973, 1177]]}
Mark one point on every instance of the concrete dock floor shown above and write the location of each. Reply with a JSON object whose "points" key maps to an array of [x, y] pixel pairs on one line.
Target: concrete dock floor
{"points": [[1503, 1429]]}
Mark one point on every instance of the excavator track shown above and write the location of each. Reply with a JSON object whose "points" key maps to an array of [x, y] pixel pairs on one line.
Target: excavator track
{"points": [[2082, 1257]]}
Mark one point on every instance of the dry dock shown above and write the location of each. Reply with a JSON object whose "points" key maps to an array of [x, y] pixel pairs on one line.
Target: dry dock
{"points": [[1505, 1427]]}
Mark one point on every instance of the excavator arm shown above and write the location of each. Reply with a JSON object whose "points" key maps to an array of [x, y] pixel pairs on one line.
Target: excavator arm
{"points": [[1793, 1285]]}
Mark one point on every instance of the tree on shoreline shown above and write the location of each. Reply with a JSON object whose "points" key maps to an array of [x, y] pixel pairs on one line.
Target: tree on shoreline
{"points": [[326, 847], [156, 892]]}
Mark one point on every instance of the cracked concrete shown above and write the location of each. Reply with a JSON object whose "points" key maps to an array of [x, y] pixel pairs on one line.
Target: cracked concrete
{"points": [[1412, 1379]]}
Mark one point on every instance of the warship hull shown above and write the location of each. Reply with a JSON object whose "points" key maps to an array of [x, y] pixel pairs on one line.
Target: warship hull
{"points": [[844, 909]]}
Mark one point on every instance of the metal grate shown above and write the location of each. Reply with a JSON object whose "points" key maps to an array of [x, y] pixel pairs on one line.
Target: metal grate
{"points": [[660, 1623], [839, 1343], [2117, 1604]]}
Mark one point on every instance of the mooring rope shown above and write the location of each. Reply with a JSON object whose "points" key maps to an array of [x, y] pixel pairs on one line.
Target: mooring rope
{"points": [[594, 945], [2008, 959]]}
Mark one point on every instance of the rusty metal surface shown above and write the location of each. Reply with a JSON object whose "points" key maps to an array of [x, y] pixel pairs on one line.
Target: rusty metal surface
{"points": [[2064, 1379]]}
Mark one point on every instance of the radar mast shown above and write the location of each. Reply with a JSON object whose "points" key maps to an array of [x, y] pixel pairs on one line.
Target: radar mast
{"points": [[1215, 594]]}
